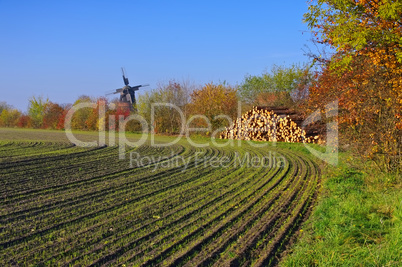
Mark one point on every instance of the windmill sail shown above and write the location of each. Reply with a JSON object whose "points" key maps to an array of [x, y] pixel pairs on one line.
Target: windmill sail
{"points": [[127, 93]]}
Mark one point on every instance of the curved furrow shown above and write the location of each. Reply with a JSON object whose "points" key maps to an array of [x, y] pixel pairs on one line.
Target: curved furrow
{"points": [[297, 215], [91, 193], [112, 167], [174, 205], [25, 154], [267, 223], [195, 212], [248, 227], [223, 220], [185, 212], [92, 212]]}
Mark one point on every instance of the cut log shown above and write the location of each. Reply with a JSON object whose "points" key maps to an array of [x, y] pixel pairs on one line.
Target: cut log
{"points": [[272, 124]]}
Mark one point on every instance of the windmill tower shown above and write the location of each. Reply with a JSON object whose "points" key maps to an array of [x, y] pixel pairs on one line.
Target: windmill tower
{"points": [[127, 94]]}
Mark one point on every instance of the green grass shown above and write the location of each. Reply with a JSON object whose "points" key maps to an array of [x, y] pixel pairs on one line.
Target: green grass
{"points": [[357, 221]]}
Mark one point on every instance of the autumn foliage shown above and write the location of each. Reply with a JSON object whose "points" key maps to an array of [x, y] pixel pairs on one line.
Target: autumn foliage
{"points": [[52, 115], [213, 106], [365, 74]]}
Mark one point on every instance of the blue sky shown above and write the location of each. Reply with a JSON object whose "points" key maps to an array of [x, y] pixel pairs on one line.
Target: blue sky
{"points": [[64, 49]]}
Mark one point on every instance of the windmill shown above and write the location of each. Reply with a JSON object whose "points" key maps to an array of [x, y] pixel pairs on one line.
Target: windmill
{"points": [[127, 93]]}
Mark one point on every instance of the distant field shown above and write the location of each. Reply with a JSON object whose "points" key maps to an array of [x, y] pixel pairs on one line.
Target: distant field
{"points": [[177, 205]]}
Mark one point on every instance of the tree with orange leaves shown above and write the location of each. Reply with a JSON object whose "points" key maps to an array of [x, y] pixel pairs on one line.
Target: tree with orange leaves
{"points": [[213, 101], [51, 115], [365, 73]]}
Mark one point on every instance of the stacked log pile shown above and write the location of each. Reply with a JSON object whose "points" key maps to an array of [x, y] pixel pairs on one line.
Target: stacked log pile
{"points": [[274, 125]]}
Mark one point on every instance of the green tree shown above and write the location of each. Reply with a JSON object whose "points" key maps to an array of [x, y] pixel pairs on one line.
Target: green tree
{"points": [[36, 110], [9, 117], [4, 105], [277, 84], [364, 27], [79, 121], [169, 106]]}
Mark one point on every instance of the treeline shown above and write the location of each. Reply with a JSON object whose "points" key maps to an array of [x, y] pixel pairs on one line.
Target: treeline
{"points": [[208, 108]]}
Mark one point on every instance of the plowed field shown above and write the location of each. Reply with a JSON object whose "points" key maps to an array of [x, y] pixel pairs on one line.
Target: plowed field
{"points": [[177, 205]]}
